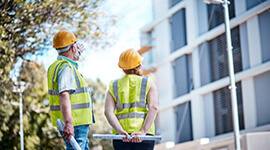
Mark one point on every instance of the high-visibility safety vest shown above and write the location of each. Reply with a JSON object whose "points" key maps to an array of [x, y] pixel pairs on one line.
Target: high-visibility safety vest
{"points": [[81, 106], [130, 95]]}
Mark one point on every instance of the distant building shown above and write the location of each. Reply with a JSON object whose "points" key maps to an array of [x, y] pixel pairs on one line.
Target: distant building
{"points": [[189, 51]]}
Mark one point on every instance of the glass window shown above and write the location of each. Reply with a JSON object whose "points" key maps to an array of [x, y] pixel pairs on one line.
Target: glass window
{"points": [[147, 39], [204, 57], [219, 57], [182, 75], [252, 3], [183, 123], [261, 87], [216, 14], [264, 24], [178, 30], [152, 57], [173, 2], [223, 109]]}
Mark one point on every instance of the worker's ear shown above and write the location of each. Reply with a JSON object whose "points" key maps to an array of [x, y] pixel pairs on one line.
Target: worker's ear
{"points": [[73, 48]]}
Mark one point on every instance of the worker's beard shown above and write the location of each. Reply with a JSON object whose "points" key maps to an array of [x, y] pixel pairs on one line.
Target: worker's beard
{"points": [[76, 57]]}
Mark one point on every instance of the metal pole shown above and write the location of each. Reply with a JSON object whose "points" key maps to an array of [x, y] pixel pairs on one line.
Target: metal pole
{"points": [[21, 120], [232, 79], [120, 137]]}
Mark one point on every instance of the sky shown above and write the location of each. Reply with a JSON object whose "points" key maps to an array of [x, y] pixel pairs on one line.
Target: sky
{"points": [[133, 15]]}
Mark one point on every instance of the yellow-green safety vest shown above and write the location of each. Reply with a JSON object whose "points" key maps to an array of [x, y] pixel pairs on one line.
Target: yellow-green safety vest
{"points": [[130, 95], [81, 105]]}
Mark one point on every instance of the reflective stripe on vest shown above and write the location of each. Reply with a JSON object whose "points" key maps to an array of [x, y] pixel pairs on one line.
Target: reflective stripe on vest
{"points": [[131, 90], [141, 104], [73, 106], [77, 78], [77, 91], [81, 106], [131, 115], [54, 72]]}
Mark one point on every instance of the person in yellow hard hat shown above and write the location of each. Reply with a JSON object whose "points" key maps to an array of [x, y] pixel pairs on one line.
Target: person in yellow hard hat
{"points": [[131, 104], [68, 93]]}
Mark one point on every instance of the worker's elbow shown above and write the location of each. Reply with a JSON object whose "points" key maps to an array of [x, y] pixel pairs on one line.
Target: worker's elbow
{"points": [[157, 109], [106, 113], [154, 108]]}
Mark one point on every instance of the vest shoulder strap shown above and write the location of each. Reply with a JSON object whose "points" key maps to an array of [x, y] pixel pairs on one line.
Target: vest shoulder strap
{"points": [[145, 85]]}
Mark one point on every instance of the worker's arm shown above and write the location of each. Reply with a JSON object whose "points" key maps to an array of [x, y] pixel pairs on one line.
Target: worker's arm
{"points": [[113, 121], [151, 115], [65, 107]]}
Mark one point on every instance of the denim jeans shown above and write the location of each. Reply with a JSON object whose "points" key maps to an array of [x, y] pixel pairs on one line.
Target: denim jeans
{"points": [[80, 133]]}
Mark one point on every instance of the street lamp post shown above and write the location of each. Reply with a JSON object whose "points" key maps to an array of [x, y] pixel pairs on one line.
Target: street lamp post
{"points": [[232, 86], [19, 89], [21, 119]]}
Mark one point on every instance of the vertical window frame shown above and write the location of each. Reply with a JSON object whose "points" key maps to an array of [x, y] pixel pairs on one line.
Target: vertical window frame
{"points": [[221, 96], [180, 123], [178, 30]]}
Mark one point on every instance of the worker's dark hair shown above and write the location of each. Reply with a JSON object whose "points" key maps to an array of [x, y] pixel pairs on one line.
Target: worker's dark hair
{"points": [[136, 71]]}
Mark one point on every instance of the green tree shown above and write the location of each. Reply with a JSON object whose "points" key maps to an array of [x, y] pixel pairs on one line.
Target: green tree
{"points": [[98, 90], [38, 130], [26, 28]]}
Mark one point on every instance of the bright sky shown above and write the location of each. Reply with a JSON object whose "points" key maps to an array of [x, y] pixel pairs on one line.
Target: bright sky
{"points": [[133, 14]]}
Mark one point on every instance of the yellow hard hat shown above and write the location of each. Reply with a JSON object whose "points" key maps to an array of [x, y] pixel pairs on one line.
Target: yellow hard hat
{"points": [[130, 59], [63, 38]]}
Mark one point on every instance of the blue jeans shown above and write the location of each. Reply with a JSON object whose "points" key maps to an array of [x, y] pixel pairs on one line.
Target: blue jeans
{"points": [[80, 133]]}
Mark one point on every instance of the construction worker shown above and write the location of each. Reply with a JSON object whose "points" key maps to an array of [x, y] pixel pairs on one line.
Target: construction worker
{"points": [[68, 94], [131, 104]]}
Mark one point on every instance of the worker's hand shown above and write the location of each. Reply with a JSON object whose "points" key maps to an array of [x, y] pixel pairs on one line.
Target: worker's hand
{"points": [[136, 138], [126, 138], [68, 131], [81, 47]]}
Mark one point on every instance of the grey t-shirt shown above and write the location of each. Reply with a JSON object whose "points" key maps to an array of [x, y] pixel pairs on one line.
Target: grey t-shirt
{"points": [[66, 79]]}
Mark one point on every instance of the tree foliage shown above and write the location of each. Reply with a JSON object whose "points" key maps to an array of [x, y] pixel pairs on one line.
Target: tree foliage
{"points": [[27, 27], [38, 130], [101, 126]]}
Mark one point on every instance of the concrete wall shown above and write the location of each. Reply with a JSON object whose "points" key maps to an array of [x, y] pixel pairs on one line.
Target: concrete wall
{"points": [[256, 141], [249, 141], [254, 77], [160, 8]]}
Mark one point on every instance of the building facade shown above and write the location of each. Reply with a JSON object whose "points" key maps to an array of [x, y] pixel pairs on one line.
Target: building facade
{"points": [[189, 51]]}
